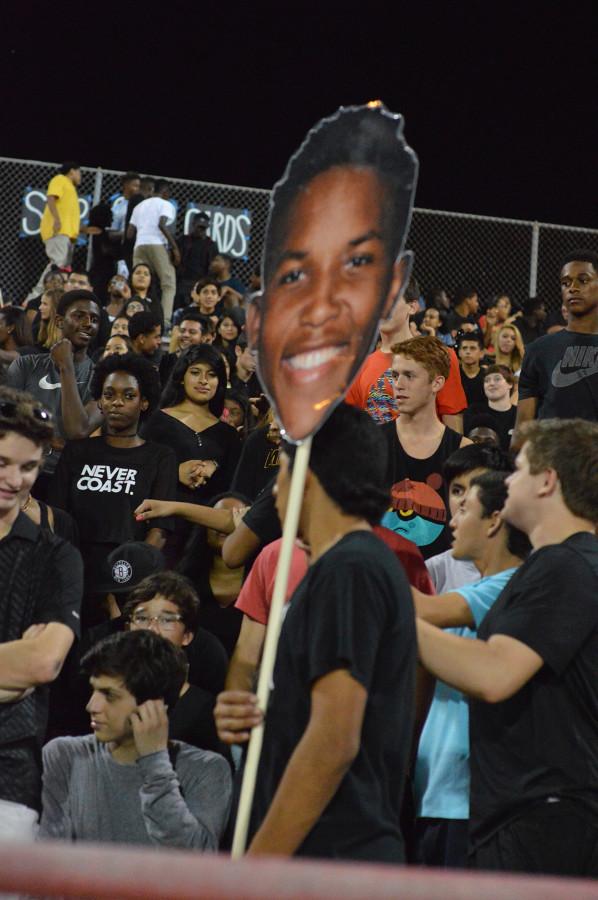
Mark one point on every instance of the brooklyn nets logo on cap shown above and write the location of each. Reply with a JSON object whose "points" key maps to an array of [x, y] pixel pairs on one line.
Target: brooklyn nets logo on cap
{"points": [[122, 571]]}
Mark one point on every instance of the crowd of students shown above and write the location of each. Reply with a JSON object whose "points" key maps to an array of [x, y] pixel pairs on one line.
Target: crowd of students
{"points": [[139, 539]]}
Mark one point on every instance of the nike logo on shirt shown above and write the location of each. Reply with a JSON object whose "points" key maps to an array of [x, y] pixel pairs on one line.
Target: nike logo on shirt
{"points": [[585, 358], [48, 385]]}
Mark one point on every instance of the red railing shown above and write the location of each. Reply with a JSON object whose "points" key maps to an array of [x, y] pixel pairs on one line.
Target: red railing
{"points": [[111, 872]]}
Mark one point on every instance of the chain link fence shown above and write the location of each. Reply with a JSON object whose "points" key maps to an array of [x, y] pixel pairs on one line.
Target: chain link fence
{"points": [[451, 249]]}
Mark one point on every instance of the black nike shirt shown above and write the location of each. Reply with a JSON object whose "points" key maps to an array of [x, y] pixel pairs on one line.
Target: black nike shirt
{"points": [[561, 371]]}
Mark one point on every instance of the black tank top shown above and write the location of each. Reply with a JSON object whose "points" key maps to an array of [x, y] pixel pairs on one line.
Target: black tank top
{"points": [[418, 508]]}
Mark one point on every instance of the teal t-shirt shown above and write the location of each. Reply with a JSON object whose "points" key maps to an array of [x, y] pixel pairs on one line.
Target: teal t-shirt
{"points": [[441, 783]]}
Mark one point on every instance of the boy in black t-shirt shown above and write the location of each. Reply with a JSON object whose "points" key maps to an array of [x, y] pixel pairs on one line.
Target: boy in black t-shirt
{"points": [[470, 350], [499, 384], [559, 375], [101, 480], [531, 674], [339, 722]]}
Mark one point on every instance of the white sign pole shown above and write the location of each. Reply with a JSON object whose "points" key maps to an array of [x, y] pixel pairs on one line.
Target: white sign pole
{"points": [[289, 535]]}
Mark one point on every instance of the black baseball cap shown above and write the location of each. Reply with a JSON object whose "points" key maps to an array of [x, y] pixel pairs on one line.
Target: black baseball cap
{"points": [[127, 565], [202, 218]]}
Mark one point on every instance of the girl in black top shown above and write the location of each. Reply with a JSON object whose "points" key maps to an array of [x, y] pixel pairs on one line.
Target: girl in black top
{"points": [[207, 449]]}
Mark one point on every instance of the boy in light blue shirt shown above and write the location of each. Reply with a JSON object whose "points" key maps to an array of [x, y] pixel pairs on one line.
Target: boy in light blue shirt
{"points": [[441, 783]]}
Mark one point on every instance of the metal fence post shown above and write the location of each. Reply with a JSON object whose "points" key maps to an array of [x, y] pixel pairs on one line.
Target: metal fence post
{"points": [[97, 194], [533, 262]]}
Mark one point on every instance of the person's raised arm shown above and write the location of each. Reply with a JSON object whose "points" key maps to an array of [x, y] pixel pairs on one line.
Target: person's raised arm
{"points": [[79, 420], [317, 766], [193, 817]]}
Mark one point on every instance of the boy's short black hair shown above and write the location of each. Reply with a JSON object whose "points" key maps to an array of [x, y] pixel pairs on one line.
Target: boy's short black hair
{"points": [[70, 297], [581, 255], [476, 336], [142, 323], [140, 368], [190, 314], [173, 587], [349, 458], [69, 164], [462, 293], [129, 176], [492, 494], [150, 667], [475, 456]]}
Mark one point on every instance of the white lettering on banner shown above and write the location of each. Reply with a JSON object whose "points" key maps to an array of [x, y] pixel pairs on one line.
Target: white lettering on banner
{"points": [[229, 228], [103, 479], [34, 202]]}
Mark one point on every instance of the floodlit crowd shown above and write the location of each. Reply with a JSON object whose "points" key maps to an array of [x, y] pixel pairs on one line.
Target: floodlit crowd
{"points": [[436, 686]]}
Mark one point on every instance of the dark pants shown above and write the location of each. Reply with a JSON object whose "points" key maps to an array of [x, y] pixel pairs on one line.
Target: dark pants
{"points": [[553, 838], [441, 842]]}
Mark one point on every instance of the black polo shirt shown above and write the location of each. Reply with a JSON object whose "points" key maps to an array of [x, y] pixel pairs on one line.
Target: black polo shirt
{"points": [[41, 581]]}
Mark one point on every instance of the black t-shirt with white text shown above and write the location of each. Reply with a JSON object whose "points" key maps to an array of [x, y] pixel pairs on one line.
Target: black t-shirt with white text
{"points": [[542, 741], [561, 371], [100, 486], [353, 611]]}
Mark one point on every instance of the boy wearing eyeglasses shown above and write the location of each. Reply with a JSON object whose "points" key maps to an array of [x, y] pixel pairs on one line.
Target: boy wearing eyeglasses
{"points": [[126, 782]]}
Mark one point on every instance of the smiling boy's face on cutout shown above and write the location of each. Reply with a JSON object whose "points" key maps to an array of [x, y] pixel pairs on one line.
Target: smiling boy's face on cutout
{"points": [[331, 283]]}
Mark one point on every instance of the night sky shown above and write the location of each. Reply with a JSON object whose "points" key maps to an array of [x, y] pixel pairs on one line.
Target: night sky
{"points": [[499, 98]]}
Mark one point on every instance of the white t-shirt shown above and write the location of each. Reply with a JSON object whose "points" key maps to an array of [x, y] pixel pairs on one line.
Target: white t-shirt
{"points": [[448, 573], [146, 217]]}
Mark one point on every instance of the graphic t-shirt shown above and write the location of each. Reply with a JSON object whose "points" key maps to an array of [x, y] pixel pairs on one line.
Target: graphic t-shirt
{"points": [[100, 486], [418, 508], [561, 371], [67, 204], [372, 389], [352, 611], [542, 741]]}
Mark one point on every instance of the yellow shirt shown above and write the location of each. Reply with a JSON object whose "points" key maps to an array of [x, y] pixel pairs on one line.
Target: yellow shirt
{"points": [[67, 204]]}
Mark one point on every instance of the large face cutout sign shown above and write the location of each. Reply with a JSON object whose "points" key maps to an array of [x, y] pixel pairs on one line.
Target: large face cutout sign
{"points": [[333, 262]]}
